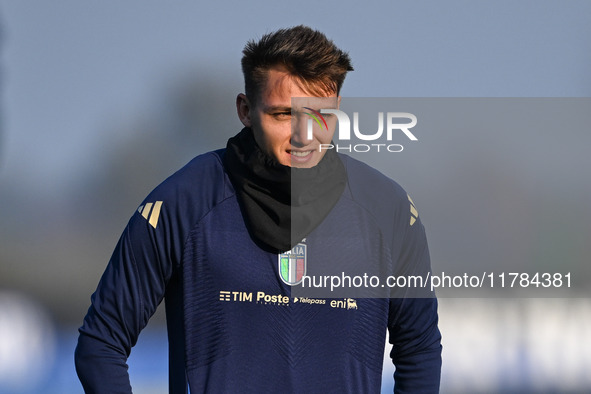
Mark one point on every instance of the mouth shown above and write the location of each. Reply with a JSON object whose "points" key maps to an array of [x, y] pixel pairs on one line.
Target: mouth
{"points": [[300, 157], [300, 154]]}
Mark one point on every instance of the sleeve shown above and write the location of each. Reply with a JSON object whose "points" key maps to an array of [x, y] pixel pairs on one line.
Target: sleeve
{"points": [[412, 320], [127, 295]]}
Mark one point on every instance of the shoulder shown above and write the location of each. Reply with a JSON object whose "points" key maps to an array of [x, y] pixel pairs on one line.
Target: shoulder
{"points": [[379, 195], [204, 173], [191, 192], [370, 187]]}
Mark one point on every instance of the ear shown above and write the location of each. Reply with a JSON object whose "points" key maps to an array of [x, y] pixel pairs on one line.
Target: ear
{"points": [[339, 102], [243, 108]]}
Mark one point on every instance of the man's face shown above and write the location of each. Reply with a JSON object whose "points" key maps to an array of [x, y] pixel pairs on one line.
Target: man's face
{"points": [[280, 127]]}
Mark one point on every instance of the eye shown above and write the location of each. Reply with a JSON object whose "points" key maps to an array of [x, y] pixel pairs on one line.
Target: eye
{"points": [[281, 114]]}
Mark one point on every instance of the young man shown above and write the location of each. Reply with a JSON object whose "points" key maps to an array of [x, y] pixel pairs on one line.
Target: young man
{"points": [[211, 242]]}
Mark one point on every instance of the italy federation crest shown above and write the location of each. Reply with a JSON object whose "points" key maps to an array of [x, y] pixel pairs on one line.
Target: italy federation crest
{"points": [[292, 264]]}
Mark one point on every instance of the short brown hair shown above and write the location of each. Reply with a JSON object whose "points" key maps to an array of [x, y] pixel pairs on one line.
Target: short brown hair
{"points": [[307, 54]]}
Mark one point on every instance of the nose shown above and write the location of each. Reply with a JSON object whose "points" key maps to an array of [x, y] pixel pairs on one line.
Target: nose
{"points": [[301, 130]]}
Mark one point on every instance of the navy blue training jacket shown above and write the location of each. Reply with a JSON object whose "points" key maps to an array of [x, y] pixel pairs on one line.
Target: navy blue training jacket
{"points": [[233, 325]]}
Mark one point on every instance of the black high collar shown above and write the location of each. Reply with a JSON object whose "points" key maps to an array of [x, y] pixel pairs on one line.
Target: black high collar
{"points": [[281, 204]]}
